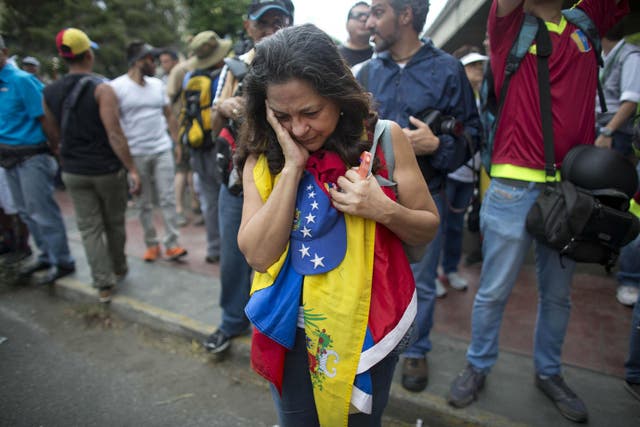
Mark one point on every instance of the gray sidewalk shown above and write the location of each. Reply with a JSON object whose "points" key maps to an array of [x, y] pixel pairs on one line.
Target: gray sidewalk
{"points": [[183, 302]]}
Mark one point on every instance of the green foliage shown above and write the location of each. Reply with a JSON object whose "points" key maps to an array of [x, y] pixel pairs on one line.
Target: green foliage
{"points": [[30, 27], [223, 17]]}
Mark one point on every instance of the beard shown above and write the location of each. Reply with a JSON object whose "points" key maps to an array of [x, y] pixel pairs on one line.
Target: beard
{"points": [[380, 43], [148, 70]]}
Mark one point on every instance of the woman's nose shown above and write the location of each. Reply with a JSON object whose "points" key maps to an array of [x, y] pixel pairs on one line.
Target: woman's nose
{"points": [[298, 128]]}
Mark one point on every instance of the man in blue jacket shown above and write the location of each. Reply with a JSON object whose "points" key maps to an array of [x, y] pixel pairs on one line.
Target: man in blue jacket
{"points": [[408, 78]]}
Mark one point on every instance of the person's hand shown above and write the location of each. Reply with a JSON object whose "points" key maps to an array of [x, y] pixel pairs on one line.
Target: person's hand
{"points": [[422, 139], [232, 108], [134, 182], [358, 196], [294, 154], [603, 141]]}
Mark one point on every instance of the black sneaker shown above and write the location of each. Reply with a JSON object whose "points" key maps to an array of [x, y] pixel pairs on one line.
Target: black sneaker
{"points": [[465, 388], [217, 342], [567, 402], [54, 273], [633, 388], [27, 270]]}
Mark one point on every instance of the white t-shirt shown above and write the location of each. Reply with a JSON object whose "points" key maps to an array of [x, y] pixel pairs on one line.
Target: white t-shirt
{"points": [[141, 114]]}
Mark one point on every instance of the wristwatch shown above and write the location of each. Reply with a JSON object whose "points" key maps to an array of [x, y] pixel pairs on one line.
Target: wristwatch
{"points": [[606, 131]]}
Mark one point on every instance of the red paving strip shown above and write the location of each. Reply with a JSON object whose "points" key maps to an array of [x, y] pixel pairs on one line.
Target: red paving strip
{"points": [[598, 336], [192, 238]]}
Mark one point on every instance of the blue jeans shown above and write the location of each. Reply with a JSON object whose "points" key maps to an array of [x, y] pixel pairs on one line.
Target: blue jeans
{"points": [[31, 185], [424, 273], [203, 162], [630, 259], [235, 273], [452, 221], [296, 406], [505, 245]]}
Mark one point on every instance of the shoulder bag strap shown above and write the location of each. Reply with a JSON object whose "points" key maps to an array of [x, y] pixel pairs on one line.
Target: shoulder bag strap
{"points": [[71, 100], [544, 49]]}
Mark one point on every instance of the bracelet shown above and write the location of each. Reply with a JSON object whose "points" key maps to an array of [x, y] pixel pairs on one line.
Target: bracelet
{"points": [[606, 131]]}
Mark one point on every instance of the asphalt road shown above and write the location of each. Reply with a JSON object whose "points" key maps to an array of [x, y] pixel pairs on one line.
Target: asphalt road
{"points": [[68, 364]]}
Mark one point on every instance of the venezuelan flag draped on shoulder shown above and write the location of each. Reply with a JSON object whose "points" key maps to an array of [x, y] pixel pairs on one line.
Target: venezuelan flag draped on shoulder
{"points": [[351, 280]]}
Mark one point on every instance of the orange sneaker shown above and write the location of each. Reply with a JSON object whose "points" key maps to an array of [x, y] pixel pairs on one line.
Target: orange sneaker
{"points": [[152, 253], [175, 253]]}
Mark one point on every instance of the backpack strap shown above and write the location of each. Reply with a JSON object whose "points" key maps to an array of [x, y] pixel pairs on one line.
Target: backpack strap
{"points": [[518, 50], [580, 19], [72, 99], [238, 67], [382, 135], [520, 46]]}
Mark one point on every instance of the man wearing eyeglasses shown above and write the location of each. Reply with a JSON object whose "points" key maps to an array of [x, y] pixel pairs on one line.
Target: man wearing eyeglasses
{"points": [[264, 18], [357, 48]]}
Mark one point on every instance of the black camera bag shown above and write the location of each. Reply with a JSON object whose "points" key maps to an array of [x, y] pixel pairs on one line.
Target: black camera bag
{"points": [[585, 225], [578, 225]]}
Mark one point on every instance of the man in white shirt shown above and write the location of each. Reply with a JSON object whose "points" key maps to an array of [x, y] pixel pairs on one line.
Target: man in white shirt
{"points": [[145, 116]]}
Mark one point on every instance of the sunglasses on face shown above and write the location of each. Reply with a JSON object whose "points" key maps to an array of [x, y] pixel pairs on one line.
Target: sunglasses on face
{"points": [[275, 23], [359, 16]]}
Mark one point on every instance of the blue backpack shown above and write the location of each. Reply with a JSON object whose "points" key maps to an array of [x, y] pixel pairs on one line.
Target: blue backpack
{"points": [[491, 106]]}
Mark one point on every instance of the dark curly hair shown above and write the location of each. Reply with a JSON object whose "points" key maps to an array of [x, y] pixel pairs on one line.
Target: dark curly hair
{"points": [[306, 53]]}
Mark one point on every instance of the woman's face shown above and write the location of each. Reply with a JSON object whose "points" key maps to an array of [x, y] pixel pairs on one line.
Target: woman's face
{"points": [[308, 117]]}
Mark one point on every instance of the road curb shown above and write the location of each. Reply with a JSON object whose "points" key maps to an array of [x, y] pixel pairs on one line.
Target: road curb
{"points": [[424, 405]]}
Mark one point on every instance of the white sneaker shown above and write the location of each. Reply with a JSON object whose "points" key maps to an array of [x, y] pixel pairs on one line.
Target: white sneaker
{"points": [[627, 295], [440, 289], [457, 282]]}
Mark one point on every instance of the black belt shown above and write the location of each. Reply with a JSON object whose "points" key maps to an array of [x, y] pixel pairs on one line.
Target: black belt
{"points": [[517, 182]]}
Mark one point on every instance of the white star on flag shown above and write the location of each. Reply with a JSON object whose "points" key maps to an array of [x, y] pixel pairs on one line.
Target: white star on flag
{"points": [[310, 187], [312, 195], [314, 205], [304, 251], [317, 261], [306, 232], [310, 218]]}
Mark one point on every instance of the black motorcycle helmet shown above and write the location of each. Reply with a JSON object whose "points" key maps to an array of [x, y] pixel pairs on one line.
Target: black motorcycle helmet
{"points": [[602, 171]]}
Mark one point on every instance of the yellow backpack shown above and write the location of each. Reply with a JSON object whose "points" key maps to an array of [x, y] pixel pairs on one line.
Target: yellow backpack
{"points": [[195, 116]]}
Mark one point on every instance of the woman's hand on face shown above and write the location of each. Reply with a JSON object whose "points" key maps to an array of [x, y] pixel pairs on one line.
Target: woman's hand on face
{"points": [[294, 153], [358, 196]]}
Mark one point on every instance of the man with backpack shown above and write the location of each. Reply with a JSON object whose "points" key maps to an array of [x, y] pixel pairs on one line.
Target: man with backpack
{"points": [[418, 86], [263, 19], [196, 133], [518, 172], [95, 158]]}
